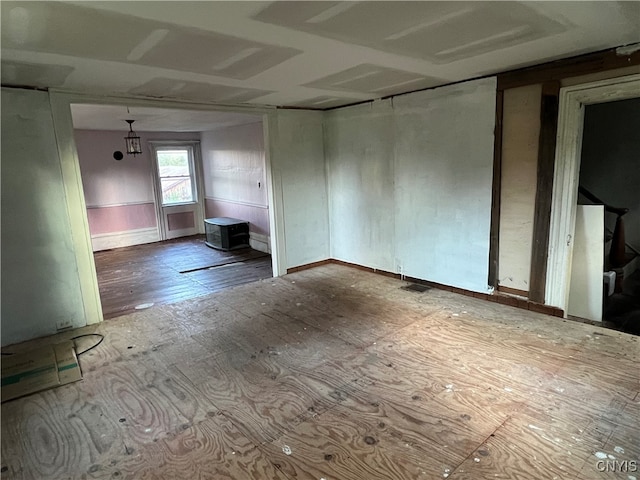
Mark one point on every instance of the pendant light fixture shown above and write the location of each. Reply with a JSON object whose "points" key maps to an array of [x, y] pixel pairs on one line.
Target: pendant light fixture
{"points": [[133, 140]]}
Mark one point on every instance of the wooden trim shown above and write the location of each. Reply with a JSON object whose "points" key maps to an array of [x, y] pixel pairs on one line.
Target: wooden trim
{"points": [[568, 67], [367, 269], [567, 174], [503, 299], [128, 238], [76, 208], [308, 266], [494, 238], [513, 291], [544, 190]]}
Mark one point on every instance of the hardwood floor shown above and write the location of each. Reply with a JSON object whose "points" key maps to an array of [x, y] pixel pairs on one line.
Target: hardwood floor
{"points": [[335, 373], [171, 271]]}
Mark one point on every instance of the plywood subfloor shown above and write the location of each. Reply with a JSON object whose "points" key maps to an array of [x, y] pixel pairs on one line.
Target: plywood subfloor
{"points": [[171, 271], [335, 373]]}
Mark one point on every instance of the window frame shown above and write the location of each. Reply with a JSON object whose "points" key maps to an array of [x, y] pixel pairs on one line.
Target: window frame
{"points": [[192, 173]]}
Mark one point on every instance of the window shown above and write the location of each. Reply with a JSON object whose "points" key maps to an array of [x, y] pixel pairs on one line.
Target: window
{"points": [[175, 169]]}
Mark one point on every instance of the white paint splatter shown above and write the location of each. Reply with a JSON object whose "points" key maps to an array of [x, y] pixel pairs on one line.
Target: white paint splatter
{"points": [[507, 389], [477, 460], [287, 450], [445, 474], [142, 306], [632, 477], [559, 390], [534, 427], [611, 457], [455, 315], [600, 455], [618, 450]]}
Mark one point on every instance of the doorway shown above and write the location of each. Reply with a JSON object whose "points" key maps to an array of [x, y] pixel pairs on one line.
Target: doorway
{"points": [[164, 194], [178, 187], [573, 101], [609, 177]]}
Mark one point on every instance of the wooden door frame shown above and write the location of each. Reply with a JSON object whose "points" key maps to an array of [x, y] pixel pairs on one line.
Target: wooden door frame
{"points": [[567, 176]]}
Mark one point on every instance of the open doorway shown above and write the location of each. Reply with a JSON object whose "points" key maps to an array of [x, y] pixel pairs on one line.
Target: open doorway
{"points": [[576, 263], [609, 176], [146, 212]]}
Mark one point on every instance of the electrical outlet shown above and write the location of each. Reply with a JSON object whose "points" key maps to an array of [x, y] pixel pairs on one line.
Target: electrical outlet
{"points": [[63, 324]]}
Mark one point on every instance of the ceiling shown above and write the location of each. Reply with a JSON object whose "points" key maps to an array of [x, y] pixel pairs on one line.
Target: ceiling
{"points": [[299, 54], [112, 117]]}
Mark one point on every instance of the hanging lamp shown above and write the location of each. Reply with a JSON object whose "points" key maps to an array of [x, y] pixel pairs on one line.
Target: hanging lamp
{"points": [[133, 140]]}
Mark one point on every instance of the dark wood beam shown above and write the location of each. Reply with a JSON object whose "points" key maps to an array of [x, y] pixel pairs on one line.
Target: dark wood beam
{"points": [[494, 239], [542, 214], [568, 67]]}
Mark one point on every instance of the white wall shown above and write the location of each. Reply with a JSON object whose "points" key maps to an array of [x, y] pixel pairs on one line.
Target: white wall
{"points": [[359, 146], [40, 281], [297, 167], [410, 183]]}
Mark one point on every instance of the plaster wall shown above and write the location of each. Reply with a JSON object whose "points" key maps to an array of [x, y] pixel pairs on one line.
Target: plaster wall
{"points": [[297, 166], [410, 183], [40, 282], [235, 175]]}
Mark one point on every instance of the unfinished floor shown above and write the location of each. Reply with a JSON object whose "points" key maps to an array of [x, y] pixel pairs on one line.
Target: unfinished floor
{"points": [[336, 373]]}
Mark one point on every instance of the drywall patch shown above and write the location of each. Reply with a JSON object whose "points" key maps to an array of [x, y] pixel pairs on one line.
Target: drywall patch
{"points": [[371, 78], [441, 32], [172, 88], [55, 28], [325, 101]]}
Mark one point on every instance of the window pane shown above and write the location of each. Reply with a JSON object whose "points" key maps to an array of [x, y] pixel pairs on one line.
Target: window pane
{"points": [[173, 163], [175, 176], [176, 190]]}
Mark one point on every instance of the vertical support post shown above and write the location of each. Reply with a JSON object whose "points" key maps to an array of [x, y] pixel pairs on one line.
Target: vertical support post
{"points": [[544, 190], [494, 239]]}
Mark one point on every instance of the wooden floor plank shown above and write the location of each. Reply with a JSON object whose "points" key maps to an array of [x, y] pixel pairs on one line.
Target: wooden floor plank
{"points": [[172, 271]]}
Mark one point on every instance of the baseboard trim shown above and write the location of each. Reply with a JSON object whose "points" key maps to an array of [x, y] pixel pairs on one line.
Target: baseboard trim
{"points": [[260, 242], [308, 266], [513, 291], [107, 241], [495, 297]]}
